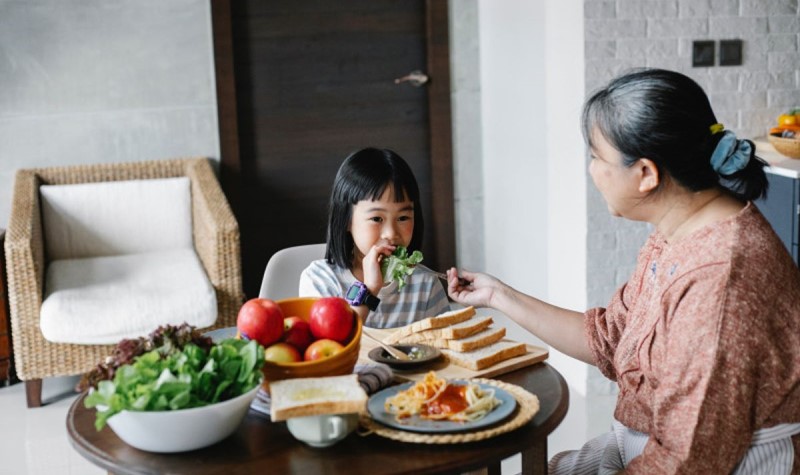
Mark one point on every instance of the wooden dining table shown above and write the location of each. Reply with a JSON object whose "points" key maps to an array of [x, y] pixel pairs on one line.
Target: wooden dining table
{"points": [[261, 446]]}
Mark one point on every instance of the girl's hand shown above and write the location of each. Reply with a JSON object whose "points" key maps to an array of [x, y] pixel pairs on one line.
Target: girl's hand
{"points": [[371, 265], [478, 293]]}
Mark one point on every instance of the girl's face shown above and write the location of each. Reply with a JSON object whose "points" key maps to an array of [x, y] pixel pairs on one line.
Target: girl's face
{"points": [[618, 184], [381, 219]]}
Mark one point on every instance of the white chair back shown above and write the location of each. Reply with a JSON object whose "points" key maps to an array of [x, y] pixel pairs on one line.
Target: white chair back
{"points": [[282, 275]]}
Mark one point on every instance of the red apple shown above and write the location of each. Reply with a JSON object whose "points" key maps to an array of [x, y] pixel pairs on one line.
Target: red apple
{"points": [[324, 348], [332, 318], [260, 320], [282, 353], [297, 332]]}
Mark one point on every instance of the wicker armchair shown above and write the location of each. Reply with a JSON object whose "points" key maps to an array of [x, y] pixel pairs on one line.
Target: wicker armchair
{"points": [[216, 241]]}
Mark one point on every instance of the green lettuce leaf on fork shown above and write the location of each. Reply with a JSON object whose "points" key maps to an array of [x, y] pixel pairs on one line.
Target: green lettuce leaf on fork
{"points": [[399, 265]]}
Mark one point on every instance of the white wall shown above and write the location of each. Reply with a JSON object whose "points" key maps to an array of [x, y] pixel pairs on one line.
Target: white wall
{"points": [[465, 97], [534, 171], [566, 170], [514, 160], [97, 81]]}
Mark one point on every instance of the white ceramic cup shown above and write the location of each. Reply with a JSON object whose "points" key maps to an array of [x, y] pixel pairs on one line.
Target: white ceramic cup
{"points": [[324, 430]]}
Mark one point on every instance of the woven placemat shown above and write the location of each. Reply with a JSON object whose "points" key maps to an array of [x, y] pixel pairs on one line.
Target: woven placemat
{"points": [[527, 407]]}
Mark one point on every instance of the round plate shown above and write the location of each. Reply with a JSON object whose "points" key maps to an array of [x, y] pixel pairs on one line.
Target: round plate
{"points": [[426, 355], [221, 334], [375, 406]]}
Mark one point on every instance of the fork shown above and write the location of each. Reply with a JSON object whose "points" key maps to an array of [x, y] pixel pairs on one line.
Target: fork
{"points": [[461, 281]]}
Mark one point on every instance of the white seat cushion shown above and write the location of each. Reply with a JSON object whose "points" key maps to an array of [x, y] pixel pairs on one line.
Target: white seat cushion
{"points": [[102, 300], [116, 217]]}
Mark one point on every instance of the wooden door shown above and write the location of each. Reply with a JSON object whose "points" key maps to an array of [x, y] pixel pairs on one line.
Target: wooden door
{"points": [[7, 375], [301, 84]]}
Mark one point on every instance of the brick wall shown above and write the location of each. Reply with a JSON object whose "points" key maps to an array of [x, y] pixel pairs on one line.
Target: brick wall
{"points": [[624, 34]]}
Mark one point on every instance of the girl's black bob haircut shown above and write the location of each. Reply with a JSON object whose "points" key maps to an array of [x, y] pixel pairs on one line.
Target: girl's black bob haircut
{"points": [[365, 175]]}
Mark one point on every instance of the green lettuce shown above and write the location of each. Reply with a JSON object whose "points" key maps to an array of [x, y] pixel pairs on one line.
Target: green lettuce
{"points": [[170, 378], [399, 265]]}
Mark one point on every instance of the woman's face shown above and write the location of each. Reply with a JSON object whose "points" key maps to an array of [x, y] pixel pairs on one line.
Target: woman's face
{"points": [[618, 184], [381, 219]]}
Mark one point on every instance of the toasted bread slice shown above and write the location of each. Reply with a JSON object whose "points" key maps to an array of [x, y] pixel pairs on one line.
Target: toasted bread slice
{"points": [[486, 356], [315, 396], [442, 320], [459, 330]]}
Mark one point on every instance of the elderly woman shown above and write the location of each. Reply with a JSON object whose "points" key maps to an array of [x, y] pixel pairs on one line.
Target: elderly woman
{"points": [[704, 339]]}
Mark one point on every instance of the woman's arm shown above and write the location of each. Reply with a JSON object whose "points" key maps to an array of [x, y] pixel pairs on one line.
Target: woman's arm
{"points": [[561, 328]]}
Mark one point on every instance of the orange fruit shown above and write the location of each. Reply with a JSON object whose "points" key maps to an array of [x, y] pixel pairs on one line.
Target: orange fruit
{"points": [[787, 119]]}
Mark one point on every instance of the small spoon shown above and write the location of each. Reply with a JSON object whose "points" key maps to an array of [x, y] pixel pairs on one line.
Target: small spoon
{"points": [[389, 349]]}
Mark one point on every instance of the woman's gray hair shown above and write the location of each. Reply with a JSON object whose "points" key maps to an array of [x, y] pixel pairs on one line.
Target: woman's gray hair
{"points": [[666, 117]]}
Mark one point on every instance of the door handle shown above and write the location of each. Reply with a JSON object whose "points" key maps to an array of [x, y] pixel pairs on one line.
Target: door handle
{"points": [[416, 78]]}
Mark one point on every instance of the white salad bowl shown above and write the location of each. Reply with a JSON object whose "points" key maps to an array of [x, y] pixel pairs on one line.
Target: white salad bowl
{"points": [[184, 429]]}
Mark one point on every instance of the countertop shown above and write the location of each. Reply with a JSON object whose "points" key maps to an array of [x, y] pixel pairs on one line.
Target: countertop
{"points": [[778, 164]]}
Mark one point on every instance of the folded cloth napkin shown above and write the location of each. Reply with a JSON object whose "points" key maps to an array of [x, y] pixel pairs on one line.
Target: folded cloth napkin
{"points": [[372, 377]]}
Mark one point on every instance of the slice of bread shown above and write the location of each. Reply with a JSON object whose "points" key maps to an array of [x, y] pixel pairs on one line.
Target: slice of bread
{"points": [[442, 320], [471, 343], [459, 330], [486, 356], [302, 397]]}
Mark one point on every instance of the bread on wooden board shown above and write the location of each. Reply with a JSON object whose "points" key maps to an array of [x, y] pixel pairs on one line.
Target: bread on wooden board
{"points": [[470, 343], [442, 320], [473, 342], [486, 356], [302, 397], [459, 330]]}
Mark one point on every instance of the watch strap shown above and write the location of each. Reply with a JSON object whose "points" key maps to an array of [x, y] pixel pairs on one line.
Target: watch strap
{"points": [[370, 300]]}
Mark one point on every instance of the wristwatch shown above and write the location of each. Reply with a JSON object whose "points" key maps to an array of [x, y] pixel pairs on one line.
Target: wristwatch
{"points": [[359, 294]]}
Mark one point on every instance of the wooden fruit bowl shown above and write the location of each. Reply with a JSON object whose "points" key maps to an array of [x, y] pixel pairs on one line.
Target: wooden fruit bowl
{"points": [[786, 147], [336, 365]]}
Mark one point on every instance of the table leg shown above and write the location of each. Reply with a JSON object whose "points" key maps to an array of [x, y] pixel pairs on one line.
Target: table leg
{"points": [[534, 459]]}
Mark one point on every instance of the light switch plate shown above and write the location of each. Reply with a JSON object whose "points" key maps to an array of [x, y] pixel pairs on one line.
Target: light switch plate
{"points": [[702, 53], [730, 53]]}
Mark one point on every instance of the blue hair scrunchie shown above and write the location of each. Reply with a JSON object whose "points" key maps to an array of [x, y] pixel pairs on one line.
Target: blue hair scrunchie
{"points": [[731, 154]]}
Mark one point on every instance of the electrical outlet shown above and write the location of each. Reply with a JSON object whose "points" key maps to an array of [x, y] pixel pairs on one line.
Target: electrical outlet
{"points": [[702, 53], [730, 52]]}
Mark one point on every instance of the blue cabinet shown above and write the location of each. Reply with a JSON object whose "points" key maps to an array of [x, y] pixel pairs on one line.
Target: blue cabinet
{"points": [[781, 207]]}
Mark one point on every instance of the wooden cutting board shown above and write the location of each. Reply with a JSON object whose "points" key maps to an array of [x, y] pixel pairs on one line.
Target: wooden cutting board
{"points": [[444, 369]]}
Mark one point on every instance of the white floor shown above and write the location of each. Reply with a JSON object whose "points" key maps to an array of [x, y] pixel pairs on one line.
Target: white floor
{"points": [[34, 441]]}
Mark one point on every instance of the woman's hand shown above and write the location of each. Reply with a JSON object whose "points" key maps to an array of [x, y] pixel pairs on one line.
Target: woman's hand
{"points": [[480, 291], [371, 265]]}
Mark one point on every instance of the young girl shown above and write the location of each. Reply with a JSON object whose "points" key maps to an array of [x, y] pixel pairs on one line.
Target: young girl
{"points": [[374, 208]]}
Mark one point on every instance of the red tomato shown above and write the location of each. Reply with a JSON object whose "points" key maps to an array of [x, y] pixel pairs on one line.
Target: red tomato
{"points": [[331, 318], [260, 320]]}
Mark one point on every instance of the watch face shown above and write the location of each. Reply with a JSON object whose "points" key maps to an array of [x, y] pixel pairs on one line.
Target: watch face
{"points": [[353, 292]]}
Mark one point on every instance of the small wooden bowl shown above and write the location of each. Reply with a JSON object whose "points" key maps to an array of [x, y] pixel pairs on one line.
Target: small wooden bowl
{"points": [[787, 147], [339, 364]]}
